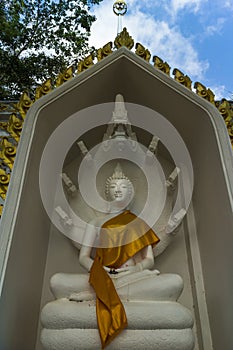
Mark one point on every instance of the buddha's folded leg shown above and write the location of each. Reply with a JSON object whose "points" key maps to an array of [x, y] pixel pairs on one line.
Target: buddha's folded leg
{"points": [[143, 285], [147, 285], [63, 285]]}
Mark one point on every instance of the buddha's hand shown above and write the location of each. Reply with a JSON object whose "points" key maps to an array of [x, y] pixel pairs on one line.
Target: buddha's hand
{"points": [[107, 269], [135, 268], [110, 270]]}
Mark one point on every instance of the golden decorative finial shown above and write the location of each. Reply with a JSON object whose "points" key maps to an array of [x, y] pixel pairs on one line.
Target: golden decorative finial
{"points": [[124, 39], [120, 9]]}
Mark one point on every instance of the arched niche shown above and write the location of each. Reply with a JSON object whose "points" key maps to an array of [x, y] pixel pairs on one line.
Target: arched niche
{"points": [[206, 238]]}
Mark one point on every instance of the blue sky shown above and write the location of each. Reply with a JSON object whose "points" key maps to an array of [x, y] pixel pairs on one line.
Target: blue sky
{"points": [[195, 36]]}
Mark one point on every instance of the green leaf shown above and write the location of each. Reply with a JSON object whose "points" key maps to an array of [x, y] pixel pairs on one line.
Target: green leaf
{"points": [[38, 37]]}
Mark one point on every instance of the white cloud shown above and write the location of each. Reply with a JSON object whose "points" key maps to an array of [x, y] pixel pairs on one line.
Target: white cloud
{"points": [[220, 92], [216, 28], [105, 27], [159, 37], [228, 4], [174, 6]]}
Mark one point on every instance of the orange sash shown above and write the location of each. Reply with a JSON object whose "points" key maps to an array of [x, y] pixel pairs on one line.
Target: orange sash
{"points": [[122, 243]]}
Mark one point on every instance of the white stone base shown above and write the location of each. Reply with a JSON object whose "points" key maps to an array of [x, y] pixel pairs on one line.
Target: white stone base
{"points": [[70, 325], [88, 339], [63, 314]]}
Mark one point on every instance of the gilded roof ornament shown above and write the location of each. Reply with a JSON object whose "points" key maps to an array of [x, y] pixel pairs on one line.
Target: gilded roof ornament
{"points": [[105, 51], [7, 153], [202, 91], [86, 63], [4, 182], [161, 65], [14, 126], [142, 52], [64, 76], [3, 107], [124, 39], [24, 104], [182, 79], [226, 110], [43, 89], [230, 131], [3, 126], [59, 80]]}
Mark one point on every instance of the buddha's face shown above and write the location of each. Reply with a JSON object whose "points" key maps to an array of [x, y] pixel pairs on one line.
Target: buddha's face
{"points": [[119, 190]]}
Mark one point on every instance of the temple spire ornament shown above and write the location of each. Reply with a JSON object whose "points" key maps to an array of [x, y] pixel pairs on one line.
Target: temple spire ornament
{"points": [[120, 9]]}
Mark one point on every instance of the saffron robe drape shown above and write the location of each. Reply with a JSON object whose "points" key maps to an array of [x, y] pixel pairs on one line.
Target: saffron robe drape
{"points": [[123, 236]]}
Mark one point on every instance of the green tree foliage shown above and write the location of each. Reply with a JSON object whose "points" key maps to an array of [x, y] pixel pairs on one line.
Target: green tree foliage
{"points": [[38, 38]]}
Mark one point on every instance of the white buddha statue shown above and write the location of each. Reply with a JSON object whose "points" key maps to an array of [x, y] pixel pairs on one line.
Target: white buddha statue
{"points": [[121, 268]]}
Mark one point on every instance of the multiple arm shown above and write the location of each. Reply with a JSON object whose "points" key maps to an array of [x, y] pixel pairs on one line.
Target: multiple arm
{"points": [[85, 252], [147, 261], [85, 257]]}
